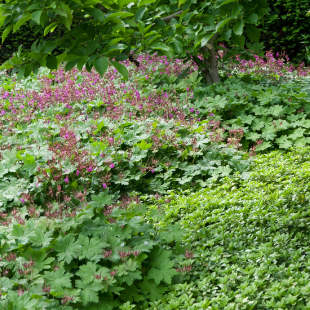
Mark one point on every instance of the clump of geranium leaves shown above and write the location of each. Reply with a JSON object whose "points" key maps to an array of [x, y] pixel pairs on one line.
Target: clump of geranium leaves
{"points": [[101, 256], [267, 115], [150, 156]]}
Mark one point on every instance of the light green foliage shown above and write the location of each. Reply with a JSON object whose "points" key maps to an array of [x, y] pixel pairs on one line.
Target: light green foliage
{"points": [[250, 236]]}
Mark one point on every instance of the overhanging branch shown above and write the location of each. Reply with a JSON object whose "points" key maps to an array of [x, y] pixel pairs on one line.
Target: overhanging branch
{"points": [[168, 18]]}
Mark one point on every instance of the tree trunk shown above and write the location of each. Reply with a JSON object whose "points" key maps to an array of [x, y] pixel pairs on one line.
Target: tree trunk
{"points": [[208, 66], [211, 71]]}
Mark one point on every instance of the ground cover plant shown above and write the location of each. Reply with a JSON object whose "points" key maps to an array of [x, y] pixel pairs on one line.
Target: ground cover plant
{"points": [[248, 237], [86, 162]]}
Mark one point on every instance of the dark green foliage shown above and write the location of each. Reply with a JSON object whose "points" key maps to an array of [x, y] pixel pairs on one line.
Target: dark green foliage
{"points": [[26, 35], [250, 238], [114, 29], [286, 28]]}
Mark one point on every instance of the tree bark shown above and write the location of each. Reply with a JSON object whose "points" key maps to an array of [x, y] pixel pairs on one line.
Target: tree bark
{"points": [[211, 65], [208, 65]]}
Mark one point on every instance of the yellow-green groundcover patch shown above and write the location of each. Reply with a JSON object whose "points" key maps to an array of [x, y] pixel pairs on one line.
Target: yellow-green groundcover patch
{"points": [[250, 238]]}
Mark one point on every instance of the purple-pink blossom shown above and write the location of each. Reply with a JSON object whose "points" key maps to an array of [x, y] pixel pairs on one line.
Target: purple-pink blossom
{"points": [[112, 165]]}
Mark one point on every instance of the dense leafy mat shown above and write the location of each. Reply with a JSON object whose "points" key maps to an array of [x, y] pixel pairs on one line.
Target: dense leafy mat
{"points": [[249, 236]]}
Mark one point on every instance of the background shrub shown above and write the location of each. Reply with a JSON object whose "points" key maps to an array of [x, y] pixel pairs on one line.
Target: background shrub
{"points": [[25, 37], [287, 29]]}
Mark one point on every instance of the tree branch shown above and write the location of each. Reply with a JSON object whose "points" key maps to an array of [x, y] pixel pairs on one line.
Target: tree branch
{"points": [[168, 18]]}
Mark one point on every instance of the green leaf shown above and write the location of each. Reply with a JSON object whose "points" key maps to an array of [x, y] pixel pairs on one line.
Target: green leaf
{"points": [[284, 142], [101, 65], [224, 2], [253, 136], [41, 238], [89, 292], [101, 200], [253, 33], [263, 146], [269, 133], [71, 64], [91, 249], [140, 13], [252, 19], [22, 20], [145, 2], [6, 283], [36, 16], [276, 110], [206, 39], [118, 15], [50, 28], [51, 62], [87, 272], [2, 17], [222, 24], [154, 291], [161, 47], [162, 267], [98, 15], [178, 46], [297, 133], [121, 69], [238, 27], [58, 279], [6, 32], [67, 248]]}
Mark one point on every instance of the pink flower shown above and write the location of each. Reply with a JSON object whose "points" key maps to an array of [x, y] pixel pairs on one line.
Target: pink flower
{"points": [[22, 200], [77, 172], [104, 185], [66, 179], [112, 166], [90, 169]]}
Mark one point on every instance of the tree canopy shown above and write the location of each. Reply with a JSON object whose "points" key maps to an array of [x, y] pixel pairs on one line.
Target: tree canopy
{"points": [[96, 33]]}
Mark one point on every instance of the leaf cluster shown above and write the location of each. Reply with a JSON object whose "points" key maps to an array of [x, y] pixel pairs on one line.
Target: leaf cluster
{"points": [[84, 262], [276, 115]]}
